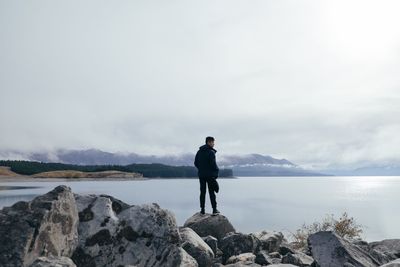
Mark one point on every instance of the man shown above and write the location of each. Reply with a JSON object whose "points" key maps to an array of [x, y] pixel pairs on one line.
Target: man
{"points": [[207, 171]]}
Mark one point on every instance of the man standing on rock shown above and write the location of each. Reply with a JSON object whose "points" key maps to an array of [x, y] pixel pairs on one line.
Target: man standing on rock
{"points": [[208, 173]]}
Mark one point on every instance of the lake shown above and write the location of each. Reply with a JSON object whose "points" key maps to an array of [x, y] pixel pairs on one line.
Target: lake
{"points": [[255, 203]]}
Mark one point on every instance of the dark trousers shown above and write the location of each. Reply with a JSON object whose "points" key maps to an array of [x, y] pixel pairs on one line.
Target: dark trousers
{"points": [[203, 188]]}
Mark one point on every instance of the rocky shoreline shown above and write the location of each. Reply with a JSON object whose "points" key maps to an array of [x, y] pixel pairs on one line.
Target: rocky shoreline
{"points": [[64, 229]]}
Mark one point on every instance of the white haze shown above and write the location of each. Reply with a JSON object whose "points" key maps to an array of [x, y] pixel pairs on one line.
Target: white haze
{"points": [[315, 82]]}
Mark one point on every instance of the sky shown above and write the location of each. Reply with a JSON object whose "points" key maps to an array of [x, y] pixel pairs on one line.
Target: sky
{"points": [[315, 82]]}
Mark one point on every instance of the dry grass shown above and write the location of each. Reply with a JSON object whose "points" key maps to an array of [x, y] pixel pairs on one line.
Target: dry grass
{"points": [[5, 171], [345, 227]]}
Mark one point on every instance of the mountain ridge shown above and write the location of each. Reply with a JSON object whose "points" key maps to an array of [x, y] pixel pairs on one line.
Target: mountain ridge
{"points": [[242, 165]]}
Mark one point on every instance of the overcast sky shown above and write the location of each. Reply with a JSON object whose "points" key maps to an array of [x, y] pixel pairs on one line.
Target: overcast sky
{"points": [[316, 82]]}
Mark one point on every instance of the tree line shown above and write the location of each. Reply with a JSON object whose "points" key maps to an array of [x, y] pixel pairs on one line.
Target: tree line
{"points": [[148, 170]]}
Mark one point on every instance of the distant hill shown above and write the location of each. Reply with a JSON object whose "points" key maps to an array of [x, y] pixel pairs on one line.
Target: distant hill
{"points": [[260, 165], [241, 165], [152, 170], [5, 171], [371, 170]]}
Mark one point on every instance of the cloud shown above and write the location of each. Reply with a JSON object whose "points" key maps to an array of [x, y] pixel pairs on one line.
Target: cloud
{"points": [[313, 82]]}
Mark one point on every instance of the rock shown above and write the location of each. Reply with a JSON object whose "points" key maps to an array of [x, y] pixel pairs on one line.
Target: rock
{"points": [[299, 259], [276, 255], [284, 249], [378, 250], [212, 242], [196, 247], [53, 262], [113, 233], [395, 263], [329, 249], [207, 224], [184, 260], [270, 241], [262, 258], [244, 257], [242, 264], [389, 248], [285, 265], [45, 226], [237, 243]]}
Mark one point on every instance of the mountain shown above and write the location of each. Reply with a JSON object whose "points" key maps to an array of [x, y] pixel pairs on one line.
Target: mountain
{"points": [[260, 165], [369, 170], [242, 165]]}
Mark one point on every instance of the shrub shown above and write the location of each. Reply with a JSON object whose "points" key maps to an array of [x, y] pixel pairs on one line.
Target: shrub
{"points": [[345, 227]]}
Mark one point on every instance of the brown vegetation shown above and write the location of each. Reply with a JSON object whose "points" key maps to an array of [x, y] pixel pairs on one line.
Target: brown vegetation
{"points": [[345, 227], [5, 171]]}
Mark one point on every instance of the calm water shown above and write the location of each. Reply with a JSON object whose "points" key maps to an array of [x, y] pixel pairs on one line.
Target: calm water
{"points": [[256, 203]]}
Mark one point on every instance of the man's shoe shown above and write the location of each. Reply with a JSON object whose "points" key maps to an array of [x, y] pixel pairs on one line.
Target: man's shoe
{"points": [[215, 211], [202, 211]]}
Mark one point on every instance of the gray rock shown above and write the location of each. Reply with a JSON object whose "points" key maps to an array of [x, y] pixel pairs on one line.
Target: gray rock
{"points": [[45, 226], [262, 258], [282, 265], [242, 264], [244, 258], [196, 247], [183, 260], [392, 245], [238, 243], [386, 250], [112, 233], [53, 262], [395, 263], [285, 248], [381, 253], [207, 224], [212, 242], [270, 241], [299, 259], [330, 250], [276, 255]]}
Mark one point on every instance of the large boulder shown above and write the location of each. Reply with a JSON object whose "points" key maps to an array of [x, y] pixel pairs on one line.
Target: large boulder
{"points": [[45, 226], [270, 241], [212, 242], [263, 258], [53, 262], [299, 259], [196, 247], [389, 248], [282, 265], [242, 264], [383, 251], [238, 243], [183, 259], [113, 233], [208, 224], [329, 249], [285, 248], [395, 263], [247, 257]]}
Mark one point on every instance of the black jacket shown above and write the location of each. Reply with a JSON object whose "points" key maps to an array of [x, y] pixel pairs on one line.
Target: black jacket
{"points": [[205, 162]]}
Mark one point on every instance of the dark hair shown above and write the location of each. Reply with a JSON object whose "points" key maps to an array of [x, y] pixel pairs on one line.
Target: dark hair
{"points": [[209, 138]]}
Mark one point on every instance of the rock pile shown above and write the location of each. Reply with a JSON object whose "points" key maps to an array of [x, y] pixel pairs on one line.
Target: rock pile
{"points": [[63, 229]]}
